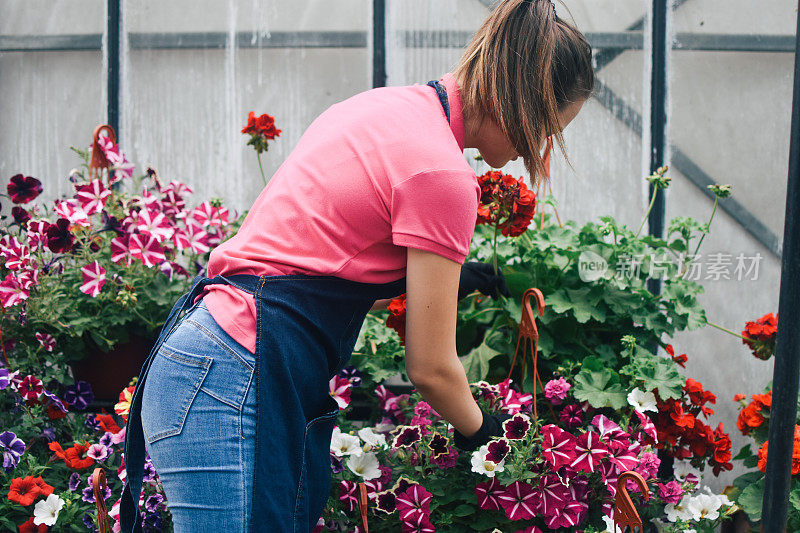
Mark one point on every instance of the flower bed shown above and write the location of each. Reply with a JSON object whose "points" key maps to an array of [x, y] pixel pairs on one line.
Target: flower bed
{"points": [[599, 403]]}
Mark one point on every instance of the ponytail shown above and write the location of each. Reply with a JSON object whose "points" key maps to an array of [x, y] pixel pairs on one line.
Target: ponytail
{"points": [[522, 66]]}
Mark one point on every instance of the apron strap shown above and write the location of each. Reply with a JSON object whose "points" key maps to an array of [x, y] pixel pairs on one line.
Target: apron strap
{"points": [[134, 435], [441, 92]]}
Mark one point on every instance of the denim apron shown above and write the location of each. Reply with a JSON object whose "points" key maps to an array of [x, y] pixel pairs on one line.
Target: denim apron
{"points": [[306, 329]]}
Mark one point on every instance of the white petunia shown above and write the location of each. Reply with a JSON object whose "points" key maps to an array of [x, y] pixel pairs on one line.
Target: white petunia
{"points": [[704, 506], [678, 511], [375, 440], [610, 525], [365, 465], [343, 444], [683, 469], [46, 511], [481, 465], [642, 401]]}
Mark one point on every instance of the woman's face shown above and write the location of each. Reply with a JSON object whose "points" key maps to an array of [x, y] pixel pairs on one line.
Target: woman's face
{"points": [[497, 150]]}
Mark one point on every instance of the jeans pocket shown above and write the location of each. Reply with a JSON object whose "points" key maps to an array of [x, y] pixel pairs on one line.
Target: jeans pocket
{"points": [[170, 388], [315, 475]]}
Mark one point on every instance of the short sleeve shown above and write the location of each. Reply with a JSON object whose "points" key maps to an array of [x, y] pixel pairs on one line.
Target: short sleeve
{"points": [[436, 211]]}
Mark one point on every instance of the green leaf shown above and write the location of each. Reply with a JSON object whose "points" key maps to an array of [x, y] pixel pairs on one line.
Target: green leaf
{"points": [[744, 453], [600, 389], [661, 375], [463, 510], [476, 363], [751, 500], [794, 499]]}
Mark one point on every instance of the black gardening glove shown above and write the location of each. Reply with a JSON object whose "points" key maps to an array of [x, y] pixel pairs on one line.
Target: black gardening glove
{"points": [[481, 276], [492, 427]]}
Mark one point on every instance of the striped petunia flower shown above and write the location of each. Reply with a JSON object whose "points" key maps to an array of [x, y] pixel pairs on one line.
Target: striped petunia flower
{"points": [[12, 447], [94, 277], [92, 196], [47, 341]]}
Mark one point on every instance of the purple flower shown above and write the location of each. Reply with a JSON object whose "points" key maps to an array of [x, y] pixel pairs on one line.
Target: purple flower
{"points": [[74, 481], [88, 521], [4, 380], [13, 447], [516, 427], [59, 238], [571, 415], [438, 445], [670, 492], [337, 464], [87, 494], [79, 395], [152, 522], [405, 436], [424, 409], [49, 434], [107, 439], [54, 400], [353, 374], [98, 452], [153, 502], [91, 423], [386, 502], [149, 473], [556, 390]]}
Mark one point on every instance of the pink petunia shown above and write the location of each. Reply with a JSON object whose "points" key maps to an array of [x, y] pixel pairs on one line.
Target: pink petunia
{"points": [[30, 388], [412, 500], [417, 522], [648, 427], [589, 450], [146, 249], [92, 197], [12, 291], [339, 389], [624, 456], [511, 401], [98, 452], [154, 224], [122, 168], [348, 494], [519, 501], [120, 250], [73, 212], [606, 427], [16, 254], [556, 390], [94, 277], [558, 446], [488, 493], [47, 341], [208, 215], [553, 494]]}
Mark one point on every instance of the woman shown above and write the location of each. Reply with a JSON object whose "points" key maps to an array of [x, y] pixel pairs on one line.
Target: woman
{"points": [[377, 199]]}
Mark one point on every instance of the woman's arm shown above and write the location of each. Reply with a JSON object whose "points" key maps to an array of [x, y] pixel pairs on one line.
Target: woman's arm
{"points": [[431, 361]]}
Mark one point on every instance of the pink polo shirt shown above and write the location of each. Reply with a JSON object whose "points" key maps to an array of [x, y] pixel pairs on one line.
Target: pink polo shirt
{"points": [[371, 176]]}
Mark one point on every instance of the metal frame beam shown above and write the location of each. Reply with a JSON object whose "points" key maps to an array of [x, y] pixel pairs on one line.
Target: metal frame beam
{"points": [[609, 44]]}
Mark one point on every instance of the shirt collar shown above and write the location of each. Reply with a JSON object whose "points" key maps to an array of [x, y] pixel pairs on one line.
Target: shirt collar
{"points": [[456, 114]]}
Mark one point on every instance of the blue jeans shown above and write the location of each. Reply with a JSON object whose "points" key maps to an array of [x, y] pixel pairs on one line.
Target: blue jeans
{"points": [[199, 421]]}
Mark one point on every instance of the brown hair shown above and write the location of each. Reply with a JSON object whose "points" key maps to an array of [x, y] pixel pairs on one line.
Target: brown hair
{"points": [[522, 66]]}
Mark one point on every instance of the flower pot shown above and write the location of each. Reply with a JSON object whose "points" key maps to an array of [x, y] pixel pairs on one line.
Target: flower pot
{"points": [[110, 372]]}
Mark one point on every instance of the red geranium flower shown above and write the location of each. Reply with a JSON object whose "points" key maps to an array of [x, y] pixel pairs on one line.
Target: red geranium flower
{"points": [[505, 202], [261, 129], [679, 359], [24, 490], [22, 189], [760, 336], [397, 317]]}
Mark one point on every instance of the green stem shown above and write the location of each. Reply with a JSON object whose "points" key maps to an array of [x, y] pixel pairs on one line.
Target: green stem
{"points": [[708, 226], [263, 177], [726, 330], [649, 208], [494, 247]]}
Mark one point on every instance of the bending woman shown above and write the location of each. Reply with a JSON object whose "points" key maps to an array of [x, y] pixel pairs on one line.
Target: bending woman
{"points": [[375, 200]]}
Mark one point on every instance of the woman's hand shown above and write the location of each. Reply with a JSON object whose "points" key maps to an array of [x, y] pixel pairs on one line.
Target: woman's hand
{"points": [[431, 361]]}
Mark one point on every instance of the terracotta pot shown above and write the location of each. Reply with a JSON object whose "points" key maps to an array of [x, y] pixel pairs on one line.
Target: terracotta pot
{"points": [[110, 372]]}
